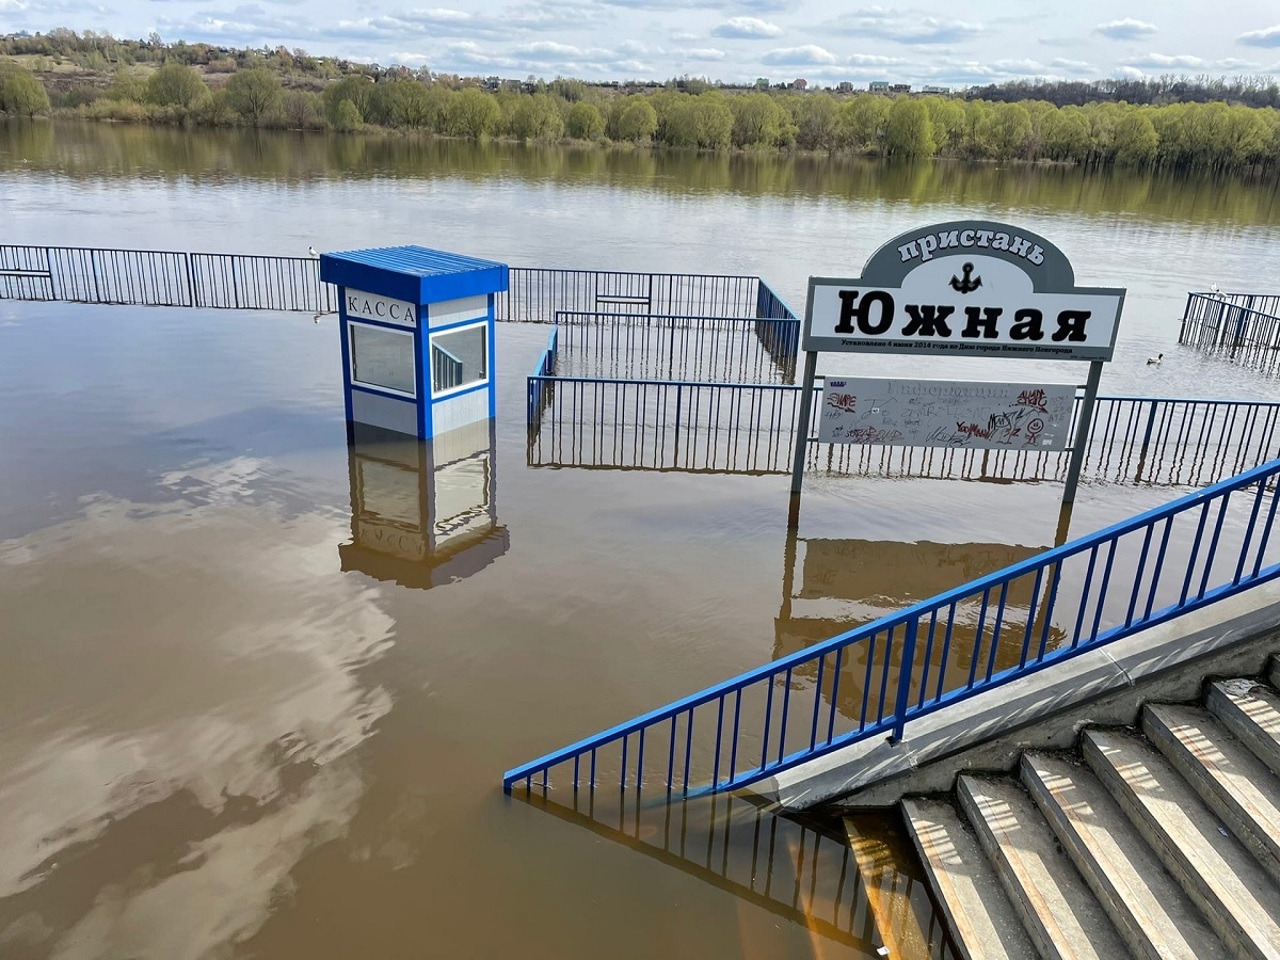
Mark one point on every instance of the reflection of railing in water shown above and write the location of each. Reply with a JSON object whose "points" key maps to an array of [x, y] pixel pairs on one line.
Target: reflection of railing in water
{"points": [[1245, 326], [678, 425], [1147, 570], [802, 871]]}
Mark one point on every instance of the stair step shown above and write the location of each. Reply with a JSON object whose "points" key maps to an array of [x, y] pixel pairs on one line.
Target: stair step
{"points": [[1063, 918], [1252, 712], [1234, 893], [1273, 671], [1151, 912], [1238, 787], [981, 918]]}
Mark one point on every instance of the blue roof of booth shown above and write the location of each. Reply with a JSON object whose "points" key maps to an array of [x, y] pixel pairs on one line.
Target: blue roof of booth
{"points": [[416, 274]]}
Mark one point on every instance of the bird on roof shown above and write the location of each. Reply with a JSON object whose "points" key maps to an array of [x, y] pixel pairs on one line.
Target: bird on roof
{"points": [[1156, 360], [312, 251]]}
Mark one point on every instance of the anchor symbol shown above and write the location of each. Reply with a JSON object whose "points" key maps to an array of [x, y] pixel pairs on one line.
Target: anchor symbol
{"points": [[969, 284]]}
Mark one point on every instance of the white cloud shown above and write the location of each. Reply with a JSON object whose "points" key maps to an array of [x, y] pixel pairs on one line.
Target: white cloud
{"points": [[1126, 29], [1234, 63], [1072, 66], [907, 26], [799, 56], [1157, 61], [1129, 73], [1270, 37], [746, 28], [703, 53]]}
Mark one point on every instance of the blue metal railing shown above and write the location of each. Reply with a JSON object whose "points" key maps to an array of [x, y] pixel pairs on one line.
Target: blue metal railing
{"points": [[540, 384], [873, 680]]}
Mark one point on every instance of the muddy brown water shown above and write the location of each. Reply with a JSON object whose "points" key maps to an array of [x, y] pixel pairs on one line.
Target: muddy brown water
{"points": [[235, 722]]}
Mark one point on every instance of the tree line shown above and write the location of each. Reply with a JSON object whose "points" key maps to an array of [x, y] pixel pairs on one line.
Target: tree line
{"points": [[1212, 136]]}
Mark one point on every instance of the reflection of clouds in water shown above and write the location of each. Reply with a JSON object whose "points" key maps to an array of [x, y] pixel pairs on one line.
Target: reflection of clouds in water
{"points": [[159, 649]]}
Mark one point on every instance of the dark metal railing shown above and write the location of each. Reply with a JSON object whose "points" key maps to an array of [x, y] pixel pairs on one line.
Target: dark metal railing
{"points": [[1244, 325], [657, 347], [600, 422], [538, 294], [874, 680], [252, 282]]}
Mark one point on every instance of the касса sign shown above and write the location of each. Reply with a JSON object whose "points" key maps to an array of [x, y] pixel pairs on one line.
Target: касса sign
{"points": [[970, 288]]}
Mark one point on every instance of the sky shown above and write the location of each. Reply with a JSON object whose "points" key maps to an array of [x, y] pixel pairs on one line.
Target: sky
{"points": [[942, 42]]}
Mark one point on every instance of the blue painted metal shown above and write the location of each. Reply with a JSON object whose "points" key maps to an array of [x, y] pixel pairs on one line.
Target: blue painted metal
{"points": [[890, 649], [414, 274]]}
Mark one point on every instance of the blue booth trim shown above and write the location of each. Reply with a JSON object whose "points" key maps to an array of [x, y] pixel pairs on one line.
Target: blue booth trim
{"points": [[413, 273]]}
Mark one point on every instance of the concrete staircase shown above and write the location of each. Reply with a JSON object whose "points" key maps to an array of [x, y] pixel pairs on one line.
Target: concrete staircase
{"points": [[1160, 844]]}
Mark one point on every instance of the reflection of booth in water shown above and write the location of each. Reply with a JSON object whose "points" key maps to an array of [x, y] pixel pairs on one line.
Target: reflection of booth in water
{"points": [[844, 584], [423, 513]]}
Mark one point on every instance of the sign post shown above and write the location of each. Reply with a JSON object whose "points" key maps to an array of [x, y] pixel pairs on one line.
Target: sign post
{"points": [[966, 289]]}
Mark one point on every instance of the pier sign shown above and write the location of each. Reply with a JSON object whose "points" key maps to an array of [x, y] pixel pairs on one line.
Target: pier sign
{"points": [[968, 288], [946, 414]]}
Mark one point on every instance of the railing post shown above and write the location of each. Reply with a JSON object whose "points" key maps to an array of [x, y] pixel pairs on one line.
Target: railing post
{"points": [[1146, 436], [905, 673]]}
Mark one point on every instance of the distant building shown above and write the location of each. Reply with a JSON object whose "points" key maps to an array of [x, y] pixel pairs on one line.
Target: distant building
{"points": [[845, 86], [492, 83], [931, 89], [879, 86], [900, 88], [799, 84]]}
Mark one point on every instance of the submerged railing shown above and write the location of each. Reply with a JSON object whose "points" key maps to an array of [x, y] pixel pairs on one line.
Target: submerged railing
{"points": [[168, 278], [1244, 325], [874, 680], [605, 422]]}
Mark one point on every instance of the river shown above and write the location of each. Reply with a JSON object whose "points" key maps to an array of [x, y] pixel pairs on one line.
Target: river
{"points": [[220, 737]]}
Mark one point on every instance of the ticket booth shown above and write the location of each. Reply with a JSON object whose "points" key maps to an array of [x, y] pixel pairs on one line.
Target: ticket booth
{"points": [[423, 514], [417, 337]]}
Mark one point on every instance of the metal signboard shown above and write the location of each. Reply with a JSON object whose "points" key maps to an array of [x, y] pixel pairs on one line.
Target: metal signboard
{"points": [[941, 413], [967, 288]]}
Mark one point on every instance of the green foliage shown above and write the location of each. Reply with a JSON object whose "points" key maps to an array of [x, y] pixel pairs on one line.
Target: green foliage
{"points": [[126, 85], [473, 113], [301, 110], [346, 117], [357, 89], [537, 118], [254, 93], [909, 131], [585, 122], [1166, 122], [175, 85], [637, 121], [760, 121], [21, 92], [865, 120], [1005, 131], [816, 119]]}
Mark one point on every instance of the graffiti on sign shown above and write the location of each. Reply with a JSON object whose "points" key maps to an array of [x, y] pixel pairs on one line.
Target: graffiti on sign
{"points": [[941, 413]]}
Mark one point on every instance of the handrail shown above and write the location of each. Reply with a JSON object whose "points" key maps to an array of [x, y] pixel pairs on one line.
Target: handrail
{"points": [[1080, 582]]}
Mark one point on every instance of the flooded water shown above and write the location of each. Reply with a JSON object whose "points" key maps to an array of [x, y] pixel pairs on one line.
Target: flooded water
{"points": [[239, 719]]}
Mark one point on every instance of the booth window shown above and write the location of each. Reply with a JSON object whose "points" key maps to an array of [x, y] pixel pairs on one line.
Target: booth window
{"points": [[459, 358], [382, 358]]}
